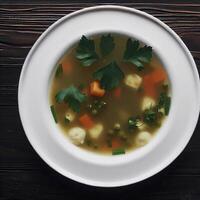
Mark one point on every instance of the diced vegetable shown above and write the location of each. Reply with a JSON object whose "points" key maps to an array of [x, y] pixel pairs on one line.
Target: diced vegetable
{"points": [[143, 138], [86, 121], [70, 115], [147, 103], [158, 75], [149, 86], [142, 127], [151, 80], [96, 90], [96, 131], [118, 151], [117, 92], [133, 80], [117, 126], [77, 135], [67, 66], [54, 113]]}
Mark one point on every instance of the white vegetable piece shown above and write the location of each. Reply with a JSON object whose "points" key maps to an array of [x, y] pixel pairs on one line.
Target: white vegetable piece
{"points": [[133, 80], [142, 127], [147, 103], [77, 135], [143, 138], [95, 131], [70, 115]]}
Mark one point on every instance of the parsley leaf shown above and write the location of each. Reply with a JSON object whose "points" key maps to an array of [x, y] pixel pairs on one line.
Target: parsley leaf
{"points": [[164, 102], [72, 96], [109, 76], [106, 44], [150, 116], [137, 55], [85, 51]]}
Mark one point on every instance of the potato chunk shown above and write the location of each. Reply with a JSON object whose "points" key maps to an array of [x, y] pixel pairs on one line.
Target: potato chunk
{"points": [[133, 80], [95, 131], [147, 103], [70, 115], [77, 135], [143, 138]]}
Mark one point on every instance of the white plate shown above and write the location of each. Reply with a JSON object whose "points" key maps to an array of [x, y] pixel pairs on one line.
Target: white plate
{"points": [[47, 139]]}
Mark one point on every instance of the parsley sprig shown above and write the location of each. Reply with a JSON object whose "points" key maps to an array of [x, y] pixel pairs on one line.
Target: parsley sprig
{"points": [[137, 55], [72, 96], [85, 51], [109, 76]]}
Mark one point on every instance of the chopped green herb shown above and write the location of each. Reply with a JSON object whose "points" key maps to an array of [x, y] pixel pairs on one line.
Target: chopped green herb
{"points": [[86, 51], [150, 116], [106, 44], [134, 122], [137, 55], [59, 71], [109, 76], [164, 102], [118, 151], [72, 96], [54, 113]]}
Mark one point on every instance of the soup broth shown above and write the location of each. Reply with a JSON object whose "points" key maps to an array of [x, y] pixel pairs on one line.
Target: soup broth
{"points": [[111, 95]]}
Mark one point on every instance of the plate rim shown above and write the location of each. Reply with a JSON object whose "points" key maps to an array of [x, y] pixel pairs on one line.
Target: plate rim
{"points": [[156, 169]]}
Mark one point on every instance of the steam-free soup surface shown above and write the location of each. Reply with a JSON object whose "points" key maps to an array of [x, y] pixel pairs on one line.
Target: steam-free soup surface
{"points": [[114, 104]]}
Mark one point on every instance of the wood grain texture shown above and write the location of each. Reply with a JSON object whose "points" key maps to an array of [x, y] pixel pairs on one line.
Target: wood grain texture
{"points": [[23, 175]]}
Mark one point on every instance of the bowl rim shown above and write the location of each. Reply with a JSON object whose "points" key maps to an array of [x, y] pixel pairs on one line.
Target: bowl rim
{"points": [[171, 32]]}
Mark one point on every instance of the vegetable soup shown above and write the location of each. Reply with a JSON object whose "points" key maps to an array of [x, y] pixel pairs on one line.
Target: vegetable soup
{"points": [[110, 94]]}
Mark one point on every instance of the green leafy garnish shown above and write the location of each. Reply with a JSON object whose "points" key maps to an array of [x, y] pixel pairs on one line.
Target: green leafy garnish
{"points": [[53, 113], [137, 55], [109, 76], [150, 116], [85, 51], [59, 70], [72, 96], [164, 102], [106, 44], [134, 122], [118, 151]]}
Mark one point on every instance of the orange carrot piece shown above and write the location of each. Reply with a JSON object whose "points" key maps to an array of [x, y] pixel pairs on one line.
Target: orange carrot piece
{"points": [[86, 121], [96, 90], [149, 86], [67, 66], [116, 143], [117, 92], [158, 75]]}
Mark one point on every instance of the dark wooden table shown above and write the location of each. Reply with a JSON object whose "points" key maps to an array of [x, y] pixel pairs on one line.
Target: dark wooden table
{"points": [[23, 175]]}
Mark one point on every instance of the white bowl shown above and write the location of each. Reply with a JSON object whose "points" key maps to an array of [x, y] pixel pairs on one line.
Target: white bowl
{"points": [[85, 167]]}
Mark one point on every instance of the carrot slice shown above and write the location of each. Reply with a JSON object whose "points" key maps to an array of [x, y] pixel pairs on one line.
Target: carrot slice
{"points": [[149, 86], [86, 121], [158, 75], [117, 92], [96, 90], [67, 66], [116, 143]]}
